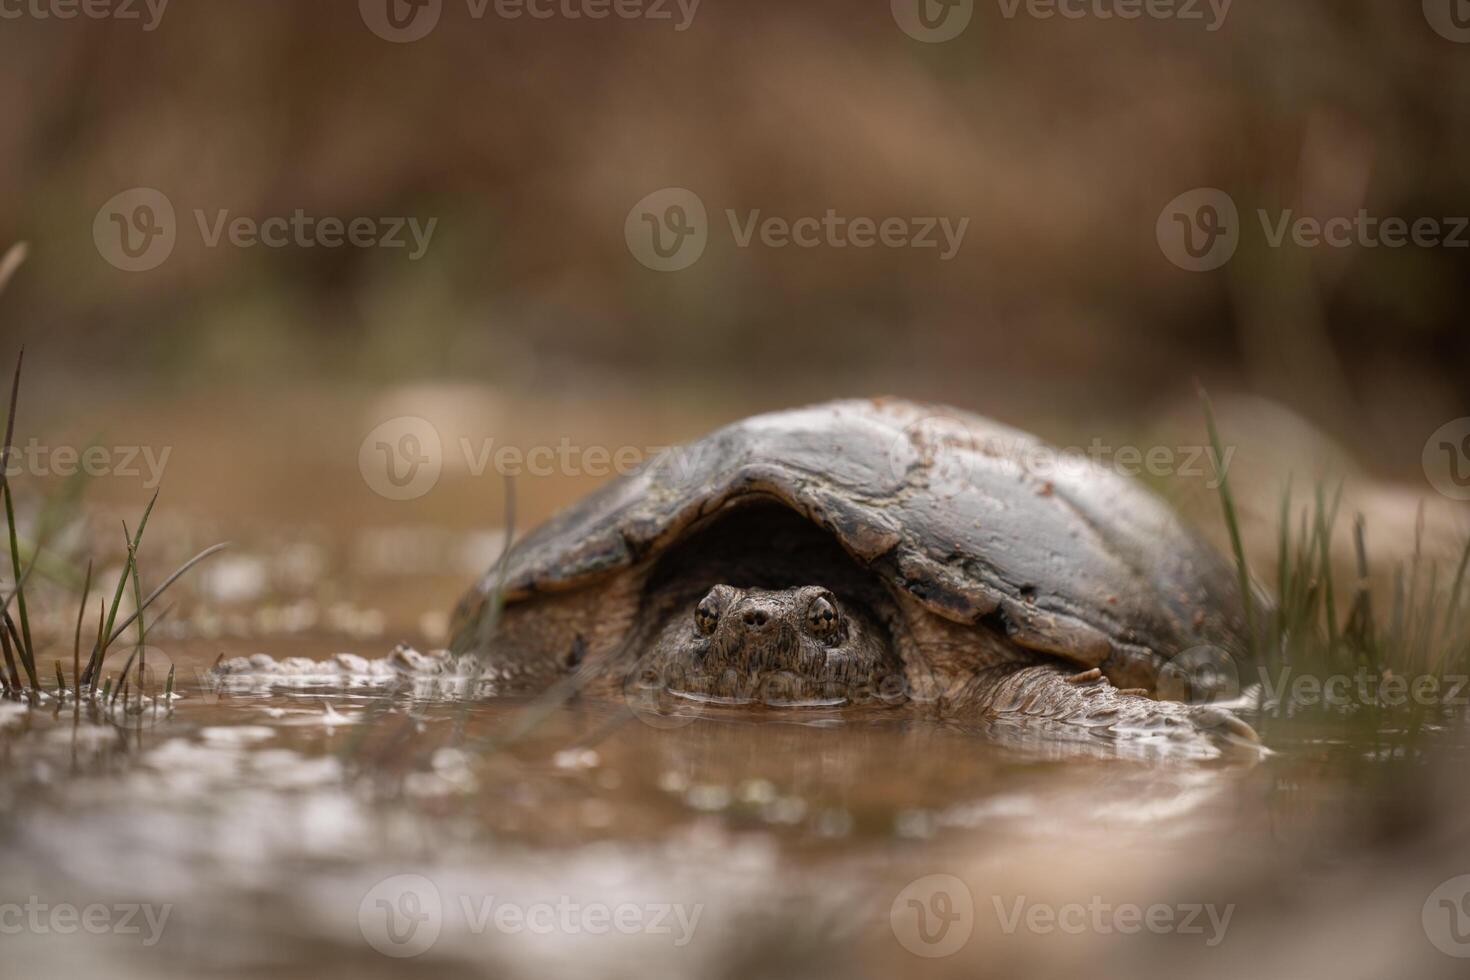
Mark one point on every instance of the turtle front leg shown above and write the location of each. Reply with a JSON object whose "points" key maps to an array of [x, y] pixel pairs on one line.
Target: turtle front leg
{"points": [[1066, 704]]}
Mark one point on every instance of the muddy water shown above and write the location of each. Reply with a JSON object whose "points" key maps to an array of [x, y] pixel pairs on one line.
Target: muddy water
{"points": [[252, 830], [310, 831]]}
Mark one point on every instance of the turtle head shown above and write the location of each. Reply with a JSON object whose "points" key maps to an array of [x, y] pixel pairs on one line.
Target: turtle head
{"points": [[809, 617], [794, 646]]}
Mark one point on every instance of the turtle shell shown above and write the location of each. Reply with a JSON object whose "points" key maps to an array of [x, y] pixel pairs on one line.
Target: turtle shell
{"points": [[977, 521]]}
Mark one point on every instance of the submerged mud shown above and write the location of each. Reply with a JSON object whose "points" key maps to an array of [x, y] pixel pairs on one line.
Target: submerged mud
{"points": [[352, 832]]}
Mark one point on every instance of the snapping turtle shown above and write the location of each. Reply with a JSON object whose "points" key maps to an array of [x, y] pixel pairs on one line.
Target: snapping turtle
{"points": [[871, 553]]}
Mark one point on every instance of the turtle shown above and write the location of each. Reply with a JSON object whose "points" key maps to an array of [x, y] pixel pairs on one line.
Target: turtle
{"points": [[875, 554]]}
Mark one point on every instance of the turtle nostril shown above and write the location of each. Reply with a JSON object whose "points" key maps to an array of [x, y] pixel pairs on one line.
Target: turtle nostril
{"points": [[754, 617]]}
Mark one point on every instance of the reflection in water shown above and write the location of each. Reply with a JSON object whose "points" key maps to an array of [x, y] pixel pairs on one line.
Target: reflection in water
{"points": [[367, 832]]}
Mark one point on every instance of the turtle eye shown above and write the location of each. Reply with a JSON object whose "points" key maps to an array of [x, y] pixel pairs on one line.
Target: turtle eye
{"points": [[707, 613], [823, 619]]}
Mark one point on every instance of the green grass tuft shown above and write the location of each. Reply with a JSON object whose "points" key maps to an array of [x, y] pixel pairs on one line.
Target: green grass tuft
{"points": [[1425, 638], [15, 632]]}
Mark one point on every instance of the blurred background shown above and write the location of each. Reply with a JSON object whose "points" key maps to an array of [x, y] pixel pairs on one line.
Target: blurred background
{"points": [[528, 141]]}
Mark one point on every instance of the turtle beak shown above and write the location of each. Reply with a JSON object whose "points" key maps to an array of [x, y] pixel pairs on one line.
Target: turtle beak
{"points": [[758, 617]]}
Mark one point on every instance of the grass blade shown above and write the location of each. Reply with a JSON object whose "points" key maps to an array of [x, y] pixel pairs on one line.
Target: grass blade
{"points": [[99, 652], [1323, 532], [142, 630], [26, 663], [26, 652], [101, 623], [14, 677], [1227, 501], [179, 573], [1454, 602], [76, 647]]}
